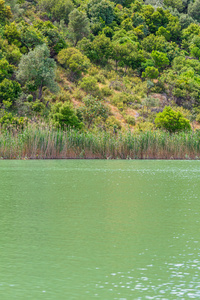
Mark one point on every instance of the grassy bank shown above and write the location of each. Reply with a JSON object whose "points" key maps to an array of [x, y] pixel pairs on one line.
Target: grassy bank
{"points": [[46, 143]]}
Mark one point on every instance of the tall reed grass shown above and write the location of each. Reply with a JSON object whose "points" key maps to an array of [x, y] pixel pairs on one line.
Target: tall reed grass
{"points": [[40, 142]]}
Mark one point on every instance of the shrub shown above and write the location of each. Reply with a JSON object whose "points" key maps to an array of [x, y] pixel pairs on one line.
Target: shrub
{"points": [[106, 91], [100, 78], [78, 94], [63, 116], [198, 118], [90, 86], [9, 90], [92, 109], [37, 106], [130, 120], [113, 124], [7, 120], [172, 121]]}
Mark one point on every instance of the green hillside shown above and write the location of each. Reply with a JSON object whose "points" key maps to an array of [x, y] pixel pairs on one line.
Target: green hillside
{"points": [[99, 65]]}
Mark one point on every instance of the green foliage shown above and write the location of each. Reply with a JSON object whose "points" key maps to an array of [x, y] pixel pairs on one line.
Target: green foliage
{"points": [[92, 109], [106, 91], [194, 10], [160, 59], [152, 42], [113, 124], [37, 70], [31, 37], [172, 121], [9, 90], [79, 25], [63, 116], [198, 118], [53, 37], [8, 121], [178, 4], [101, 10], [99, 50], [12, 34], [132, 51], [90, 86], [151, 73], [130, 120], [73, 60], [5, 13], [6, 70], [58, 10], [37, 106]]}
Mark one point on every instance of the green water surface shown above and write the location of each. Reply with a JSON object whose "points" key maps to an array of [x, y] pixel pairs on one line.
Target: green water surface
{"points": [[99, 229]]}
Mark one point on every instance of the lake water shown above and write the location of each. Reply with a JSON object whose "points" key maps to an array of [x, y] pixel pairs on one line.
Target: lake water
{"points": [[99, 229]]}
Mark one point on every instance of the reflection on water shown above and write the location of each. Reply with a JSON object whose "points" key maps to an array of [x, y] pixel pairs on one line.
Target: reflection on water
{"points": [[99, 230]]}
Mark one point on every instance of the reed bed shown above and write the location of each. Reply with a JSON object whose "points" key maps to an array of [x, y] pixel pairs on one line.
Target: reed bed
{"points": [[39, 142]]}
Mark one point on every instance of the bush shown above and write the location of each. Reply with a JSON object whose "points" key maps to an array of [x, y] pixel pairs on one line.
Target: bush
{"points": [[172, 121], [145, 126], [92, 109], [198, 118], [37, 106], [63, 116], [130, 120], [100, 78], [90, 86], [78, 94], [106, 91], [7, 120], [113, 124], [9, 90]]}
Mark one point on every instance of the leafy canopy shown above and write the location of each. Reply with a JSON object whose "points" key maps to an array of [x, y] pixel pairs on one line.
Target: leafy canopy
{"points": [[172, 121]]}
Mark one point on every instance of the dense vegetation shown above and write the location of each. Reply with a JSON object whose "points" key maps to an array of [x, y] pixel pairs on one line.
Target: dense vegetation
{"points": [[100, 68]]}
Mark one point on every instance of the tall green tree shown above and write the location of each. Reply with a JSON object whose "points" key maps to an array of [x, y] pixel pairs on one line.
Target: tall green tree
{"points": [[36, 69], [79, 25]]}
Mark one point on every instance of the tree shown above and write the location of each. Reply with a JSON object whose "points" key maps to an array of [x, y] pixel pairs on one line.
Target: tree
{"points": [[152, 42], [73, 60], [31, 37], [120, 51], [58, 9], [160, 59], [54, 37], [36, 69], [63, 116], [194, 10], [101, 9], [62, 9], [99, 50], [172, 121], [5, 12], [79, 25], [12, 34]]}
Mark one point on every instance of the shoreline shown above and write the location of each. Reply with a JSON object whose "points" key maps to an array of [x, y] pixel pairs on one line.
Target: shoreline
{"points": [[38, 142]]}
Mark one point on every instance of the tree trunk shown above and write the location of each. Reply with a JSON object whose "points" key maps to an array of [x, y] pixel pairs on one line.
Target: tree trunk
{"points": [[116, 65], [40, 91]]}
